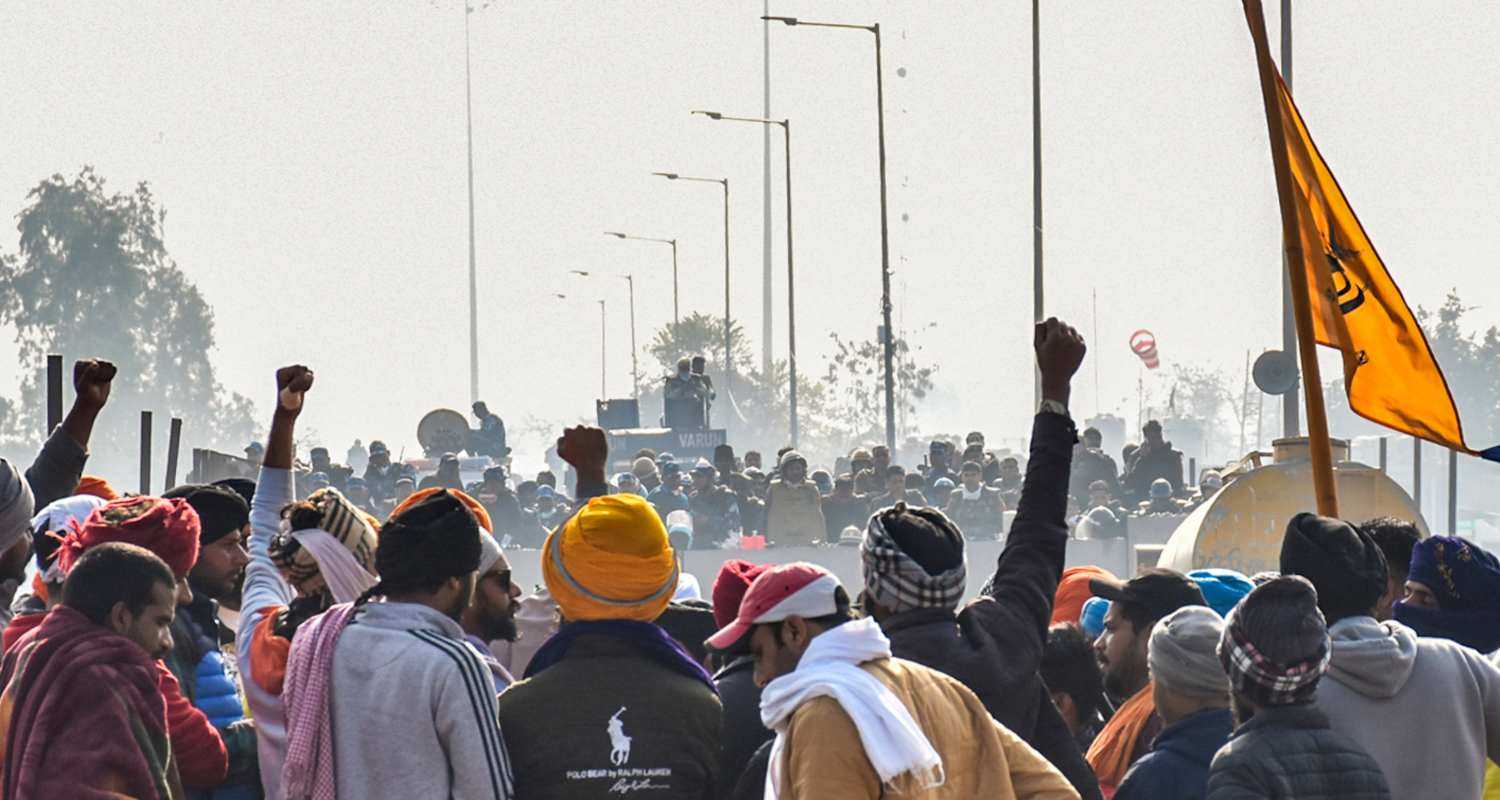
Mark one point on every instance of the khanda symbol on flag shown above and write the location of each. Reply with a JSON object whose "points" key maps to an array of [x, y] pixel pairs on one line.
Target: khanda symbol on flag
{"points": [[1390, 374]]}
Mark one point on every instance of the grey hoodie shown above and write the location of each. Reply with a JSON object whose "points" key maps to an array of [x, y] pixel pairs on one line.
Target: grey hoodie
{"points": [[1428, 710]]}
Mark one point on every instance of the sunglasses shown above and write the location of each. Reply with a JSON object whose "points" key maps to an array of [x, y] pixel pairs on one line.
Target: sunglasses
{"points": [[502, 578]]}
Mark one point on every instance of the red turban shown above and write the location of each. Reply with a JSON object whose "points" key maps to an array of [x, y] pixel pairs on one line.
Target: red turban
{"points": [[96, 486], [1073, 591], [168, 528]]}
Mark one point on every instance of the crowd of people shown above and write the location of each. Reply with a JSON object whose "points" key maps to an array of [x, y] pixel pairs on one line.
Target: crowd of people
{"points": [[247, 639], [791, 504]]}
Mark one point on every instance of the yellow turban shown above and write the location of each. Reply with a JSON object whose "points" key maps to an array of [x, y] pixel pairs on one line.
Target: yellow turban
{"points": [[611, 560]]}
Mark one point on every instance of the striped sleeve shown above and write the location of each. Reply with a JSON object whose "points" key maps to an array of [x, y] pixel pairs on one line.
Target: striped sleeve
{"points": [[468, 722]]}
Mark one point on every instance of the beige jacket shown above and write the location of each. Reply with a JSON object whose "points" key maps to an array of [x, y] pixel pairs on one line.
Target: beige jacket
{"points": [[981, 758]]}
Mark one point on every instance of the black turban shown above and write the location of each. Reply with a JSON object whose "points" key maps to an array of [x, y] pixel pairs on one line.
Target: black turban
{"points": [[221, 511], [433, 540], [1343, 563]]}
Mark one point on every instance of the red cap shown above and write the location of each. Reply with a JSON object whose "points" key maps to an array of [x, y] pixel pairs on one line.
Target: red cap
{"points": [[733, 580], [786, 590]]}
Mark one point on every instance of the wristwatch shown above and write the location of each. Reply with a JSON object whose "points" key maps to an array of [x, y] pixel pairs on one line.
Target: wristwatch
{"points": [[1049, 406]]}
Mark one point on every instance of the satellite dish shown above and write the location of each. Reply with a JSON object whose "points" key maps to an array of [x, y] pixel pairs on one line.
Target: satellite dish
{"points": [[1275, 372], [443, 431]]}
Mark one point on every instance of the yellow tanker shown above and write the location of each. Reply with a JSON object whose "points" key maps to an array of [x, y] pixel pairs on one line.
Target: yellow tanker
{"points": [[1241, 527]]}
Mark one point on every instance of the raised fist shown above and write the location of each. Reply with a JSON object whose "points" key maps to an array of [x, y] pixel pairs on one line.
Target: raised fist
{"points": [[1059, 352], [291, 384], [586, 449], [91, 381]]}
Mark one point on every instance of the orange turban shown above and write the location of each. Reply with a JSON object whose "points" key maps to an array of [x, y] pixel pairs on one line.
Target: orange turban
{"points": [[611, 560], [168, 528], [422, 494], [1073, 591], [96, 486]]}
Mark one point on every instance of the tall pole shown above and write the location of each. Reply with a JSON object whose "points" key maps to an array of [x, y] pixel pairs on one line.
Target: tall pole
{"points": [[791, 292], [1416, 473], [1290, 411], [675, 316], [765, 182], [473, 279], [1036, 181], [885, 260], [1325, 490], [603, 386], [635, 372], [728, 359], [1452, 492]]}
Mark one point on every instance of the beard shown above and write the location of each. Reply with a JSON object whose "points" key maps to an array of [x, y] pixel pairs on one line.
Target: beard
{"points": [[501, 627], [1123, 680]]}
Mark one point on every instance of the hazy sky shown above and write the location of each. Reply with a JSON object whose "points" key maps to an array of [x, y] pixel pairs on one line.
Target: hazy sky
{"points": [[311, 158]]}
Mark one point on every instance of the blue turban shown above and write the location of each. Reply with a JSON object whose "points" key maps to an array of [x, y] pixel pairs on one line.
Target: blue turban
{"points": [[1091, 620], [1465, 578], [1222, 588]]}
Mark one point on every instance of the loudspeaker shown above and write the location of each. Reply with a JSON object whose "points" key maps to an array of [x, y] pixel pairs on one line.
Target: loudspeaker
{"points": [[618, 414]]}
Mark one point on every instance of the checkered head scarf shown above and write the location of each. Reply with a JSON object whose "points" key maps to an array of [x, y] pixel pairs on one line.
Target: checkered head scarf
{"points": [[1275, 645], [895, 580]]}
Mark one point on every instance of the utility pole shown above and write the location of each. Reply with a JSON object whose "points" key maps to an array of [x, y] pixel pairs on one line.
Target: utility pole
{"points": [[1290, 409], [473, 272], [1036, 180], [765, 141]]}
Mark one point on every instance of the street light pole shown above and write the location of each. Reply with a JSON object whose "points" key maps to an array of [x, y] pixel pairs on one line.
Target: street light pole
{"points": [[728, 333], [635, 370], [672, 242], [603, 390], [473, 272], [791, 283], [1036, 183], [888, 341]]}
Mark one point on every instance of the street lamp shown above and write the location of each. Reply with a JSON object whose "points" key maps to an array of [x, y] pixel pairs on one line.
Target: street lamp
{"points": [[791, 291], [885, 237], [603, 362], [728, 359], [672, 242], [635, 372]]}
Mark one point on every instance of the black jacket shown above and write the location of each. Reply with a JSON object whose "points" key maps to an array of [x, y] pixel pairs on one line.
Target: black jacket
{"points": [[743, 731], [1291, 753], [606, 717], [994, 647]]}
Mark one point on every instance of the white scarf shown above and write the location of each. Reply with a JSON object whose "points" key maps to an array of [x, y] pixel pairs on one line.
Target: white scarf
{"points": [[892, 740], [978, 493], [345, 577]]}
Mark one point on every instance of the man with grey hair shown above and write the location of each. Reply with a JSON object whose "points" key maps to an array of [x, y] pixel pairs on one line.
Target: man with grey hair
{"points": [[1191, 694]]}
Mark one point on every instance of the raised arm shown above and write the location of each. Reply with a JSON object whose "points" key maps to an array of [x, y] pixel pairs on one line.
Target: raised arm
{"points": [[264, 585], [586, 449], [1031, 564], [58, 467]]}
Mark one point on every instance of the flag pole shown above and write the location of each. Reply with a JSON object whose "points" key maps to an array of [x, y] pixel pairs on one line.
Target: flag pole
{"points": [[1321, 450]]}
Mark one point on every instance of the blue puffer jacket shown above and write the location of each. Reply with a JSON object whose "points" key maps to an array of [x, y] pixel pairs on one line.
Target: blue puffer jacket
{"points": [[1177, 766], [214, 692], [217, 696]]}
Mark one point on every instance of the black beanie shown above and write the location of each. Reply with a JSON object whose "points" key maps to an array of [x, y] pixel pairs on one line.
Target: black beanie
{"points": [[244, 487], [1343, 563], [433, 540], [221, 511]]}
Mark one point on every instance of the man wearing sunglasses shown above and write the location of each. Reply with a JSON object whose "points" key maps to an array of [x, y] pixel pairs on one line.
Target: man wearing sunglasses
{"points": [[491, 614]]}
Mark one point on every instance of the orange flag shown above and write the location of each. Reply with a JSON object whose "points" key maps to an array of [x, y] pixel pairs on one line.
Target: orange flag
{"points": [[1390, 374]]}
